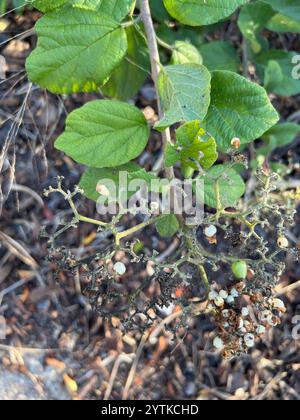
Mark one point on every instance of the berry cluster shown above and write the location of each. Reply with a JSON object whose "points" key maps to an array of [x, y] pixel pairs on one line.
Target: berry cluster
{"points": [[242, 317]]}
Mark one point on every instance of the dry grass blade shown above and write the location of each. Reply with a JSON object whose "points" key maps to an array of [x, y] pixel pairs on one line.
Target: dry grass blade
{"points": [[18, 250]]}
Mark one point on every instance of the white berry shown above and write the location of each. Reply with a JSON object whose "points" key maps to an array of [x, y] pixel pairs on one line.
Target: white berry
{"points": [[219, 302], [223, 294], [278, 304], [154, 206], [120, 268], [245, 312], [249, 340], [283, 242], [266, 316], [261, 329], [225, 313], [103, 190], [212, 295], [234, 293], [230, 300], [210, 231], [241, 324], [218, 343]]}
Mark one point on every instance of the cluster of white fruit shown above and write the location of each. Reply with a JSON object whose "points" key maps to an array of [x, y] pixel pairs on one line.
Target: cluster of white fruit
{"points": [[241, 324], [218, 299]]}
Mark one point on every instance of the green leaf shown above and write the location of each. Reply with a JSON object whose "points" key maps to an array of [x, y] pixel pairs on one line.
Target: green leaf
{"points": [[281, 135], [280, 168], [185, 53], [194, 147], [273, 75], [185, 93], [104, 133], [116, 9], [281, 23], [288, 86], [239, 108], [171, 34], [47, 5], [230, 183], [77, 50], [289, 8], [92, 177], [167, 226], [202, 12], [208, 148], [128, 78], [252, 20], [172, 155], [220, 55], [158, 11]]}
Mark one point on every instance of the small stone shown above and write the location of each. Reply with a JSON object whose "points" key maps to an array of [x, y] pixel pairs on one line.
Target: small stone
{"points": [[190, 389]]}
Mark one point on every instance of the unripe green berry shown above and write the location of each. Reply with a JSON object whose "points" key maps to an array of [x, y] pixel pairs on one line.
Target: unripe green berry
{"points": [[240, 270]]}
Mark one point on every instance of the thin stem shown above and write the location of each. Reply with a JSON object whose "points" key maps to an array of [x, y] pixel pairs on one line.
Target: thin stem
{"points": [[79, 217], [245, 58], [164, 44], [68, 196], [220, 207], [131, 22], [204, 277], [155, 68], [121, 235]]}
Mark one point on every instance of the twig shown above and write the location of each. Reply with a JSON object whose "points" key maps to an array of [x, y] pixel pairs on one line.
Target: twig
{"points": [[29, 191], [13, 287], [123, 358], [18, 250], [133, 369], [271, 385], [156, 67], [147, 336], [285, 290]]}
